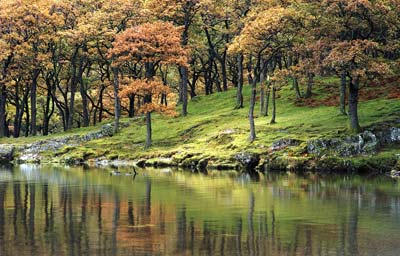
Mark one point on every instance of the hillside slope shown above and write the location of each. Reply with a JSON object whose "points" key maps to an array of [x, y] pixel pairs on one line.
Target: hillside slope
{"points": [[215, 130]]}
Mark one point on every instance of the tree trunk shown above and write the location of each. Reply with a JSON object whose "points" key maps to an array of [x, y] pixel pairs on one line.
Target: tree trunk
{"points": [[251, 111], [249, 68], [253, 101], [71, 106], [353, 105], [86, 117], [343, 85], [62, 106], [239, 94], [273, 119], [208, 76], [148, 130], [101, 108], [117, 105], [131, 105], [180, 89], [47, 112], [17, 112], [3, 98], [217, 77], [223, 72], [184, 70], [33, 102], [213, 53], [73, 90], [85, 110], [296, 88], [193, 86], [310, 85], [150, 73], [46, 109], [267, 100], [263, 73], [262, 95], [206, 81], [164, 100], [184, 82], [23, 104], [63, 110], [27, 118]]}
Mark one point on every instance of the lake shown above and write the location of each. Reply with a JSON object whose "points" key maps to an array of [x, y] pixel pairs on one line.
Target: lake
{"points": [[55, 210]]}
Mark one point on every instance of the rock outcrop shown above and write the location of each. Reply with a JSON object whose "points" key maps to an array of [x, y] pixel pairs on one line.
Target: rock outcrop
{"points": [[368, 142], [6, 153], [32, 152], [284, 143], [248, 161]]}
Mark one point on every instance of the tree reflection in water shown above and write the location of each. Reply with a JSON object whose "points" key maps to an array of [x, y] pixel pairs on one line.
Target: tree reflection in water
{"points": [[51, 211]]}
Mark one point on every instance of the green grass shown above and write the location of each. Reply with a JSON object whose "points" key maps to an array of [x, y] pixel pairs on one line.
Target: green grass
{"points": [[214, 128], [206, 129]]}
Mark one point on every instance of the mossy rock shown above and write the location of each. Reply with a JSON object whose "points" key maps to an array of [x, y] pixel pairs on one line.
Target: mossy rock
{"points": [[72, 160], [160, 162], [112, 156], [303, 164], [297, 164], [222, 139], [248, 161], [222, 165], [190, 162], [332, 165], [180, 157], [375, 164], [278, 163], [202, 164], [140, 163], [64, 150]]}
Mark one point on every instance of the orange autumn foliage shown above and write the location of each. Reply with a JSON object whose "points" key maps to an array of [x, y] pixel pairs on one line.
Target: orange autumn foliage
{"points": [[144, 87], [157, 42]]}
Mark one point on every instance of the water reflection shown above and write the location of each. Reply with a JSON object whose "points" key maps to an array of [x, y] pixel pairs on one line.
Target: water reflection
{"points": [[57, 211]]}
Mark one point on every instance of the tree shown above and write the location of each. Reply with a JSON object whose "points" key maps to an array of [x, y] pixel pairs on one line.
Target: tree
{"points": [[150, 45], [24, 30], [151, 90], [265, 35], [109, 19], [181, 13], [356, 59], [357, 36]]}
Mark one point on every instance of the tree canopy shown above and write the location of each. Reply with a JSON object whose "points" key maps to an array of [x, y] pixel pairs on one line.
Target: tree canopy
{"points": [[73, 63]]}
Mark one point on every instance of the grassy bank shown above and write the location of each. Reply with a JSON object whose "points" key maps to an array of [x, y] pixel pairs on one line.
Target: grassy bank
{"points": [[214, 128]]}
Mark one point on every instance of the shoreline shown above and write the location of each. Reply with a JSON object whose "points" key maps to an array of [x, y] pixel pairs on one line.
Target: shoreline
{"points": [[364, 153]]}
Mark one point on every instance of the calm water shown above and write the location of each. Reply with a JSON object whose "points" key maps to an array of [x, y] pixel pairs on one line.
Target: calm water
{"points": [[51, 210]]}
